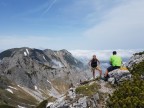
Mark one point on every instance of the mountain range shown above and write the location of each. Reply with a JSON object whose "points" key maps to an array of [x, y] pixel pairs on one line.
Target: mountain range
{"points": [[28, 76]]}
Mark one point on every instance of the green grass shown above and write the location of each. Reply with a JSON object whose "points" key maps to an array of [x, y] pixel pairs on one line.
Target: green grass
{"points": [[87, 90]]}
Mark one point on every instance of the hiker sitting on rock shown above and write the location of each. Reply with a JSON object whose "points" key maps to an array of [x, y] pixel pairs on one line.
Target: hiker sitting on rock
{"points": [[94, 65], [115, 61]]}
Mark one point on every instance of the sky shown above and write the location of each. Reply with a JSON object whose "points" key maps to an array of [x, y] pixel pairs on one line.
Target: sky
{"points": [[72, 24]]}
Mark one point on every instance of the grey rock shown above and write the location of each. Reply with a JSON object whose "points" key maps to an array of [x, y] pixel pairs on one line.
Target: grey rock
{"points": [[96, 97], [135, 59], [118, 76]]}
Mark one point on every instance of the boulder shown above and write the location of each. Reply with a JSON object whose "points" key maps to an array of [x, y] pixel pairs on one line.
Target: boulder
{"points": [[118, 75]]}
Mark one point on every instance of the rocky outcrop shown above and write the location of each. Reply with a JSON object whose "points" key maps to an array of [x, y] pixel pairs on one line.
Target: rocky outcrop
{"points": [[118, 76], [136, 64], [91, 95], [135, 59]]}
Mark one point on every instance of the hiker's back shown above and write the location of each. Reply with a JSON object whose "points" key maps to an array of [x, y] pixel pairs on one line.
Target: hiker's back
{"points": [[116, 60]]}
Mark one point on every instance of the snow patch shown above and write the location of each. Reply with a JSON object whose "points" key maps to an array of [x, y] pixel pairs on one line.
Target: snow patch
{"points": [[25, 54], [9, 90], [44, 58], [49, 104], [18, 85], [35, 87], [27, 51], [12, 87], [48, 81], [20, 106]]}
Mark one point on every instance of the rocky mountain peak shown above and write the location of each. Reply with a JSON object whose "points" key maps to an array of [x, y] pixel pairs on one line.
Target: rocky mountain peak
{"points": [[65, 51]]}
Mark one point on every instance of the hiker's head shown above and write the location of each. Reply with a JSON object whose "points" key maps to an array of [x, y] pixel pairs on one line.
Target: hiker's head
{"points": [[114, 52], [94, 56]]}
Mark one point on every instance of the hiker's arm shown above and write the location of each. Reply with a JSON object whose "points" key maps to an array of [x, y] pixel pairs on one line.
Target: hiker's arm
{"points": [[110, 61], [121, 61], [89, 63], [98, 61]]}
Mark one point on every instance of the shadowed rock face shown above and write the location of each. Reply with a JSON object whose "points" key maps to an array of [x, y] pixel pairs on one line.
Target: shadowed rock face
{"points": [[44, 71]]}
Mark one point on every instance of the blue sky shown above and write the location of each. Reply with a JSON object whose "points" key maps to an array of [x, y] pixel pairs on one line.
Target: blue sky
{"points": [[72, 24]]}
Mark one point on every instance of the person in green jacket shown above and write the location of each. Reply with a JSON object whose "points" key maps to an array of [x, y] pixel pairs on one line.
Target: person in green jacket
{"points": [[115, 61]]}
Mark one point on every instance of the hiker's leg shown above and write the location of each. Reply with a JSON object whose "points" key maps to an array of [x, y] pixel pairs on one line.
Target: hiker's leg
{"points": [[92, 70], [100, 71], [93, 73], [106, 73], [108, 70]]}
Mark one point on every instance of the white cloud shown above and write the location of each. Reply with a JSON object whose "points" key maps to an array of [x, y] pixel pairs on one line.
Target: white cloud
{"points": [[121, 26], [86, 55]]}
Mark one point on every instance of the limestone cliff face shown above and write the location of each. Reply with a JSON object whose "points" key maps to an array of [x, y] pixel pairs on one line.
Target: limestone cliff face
{"points": [[41, 73]]}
